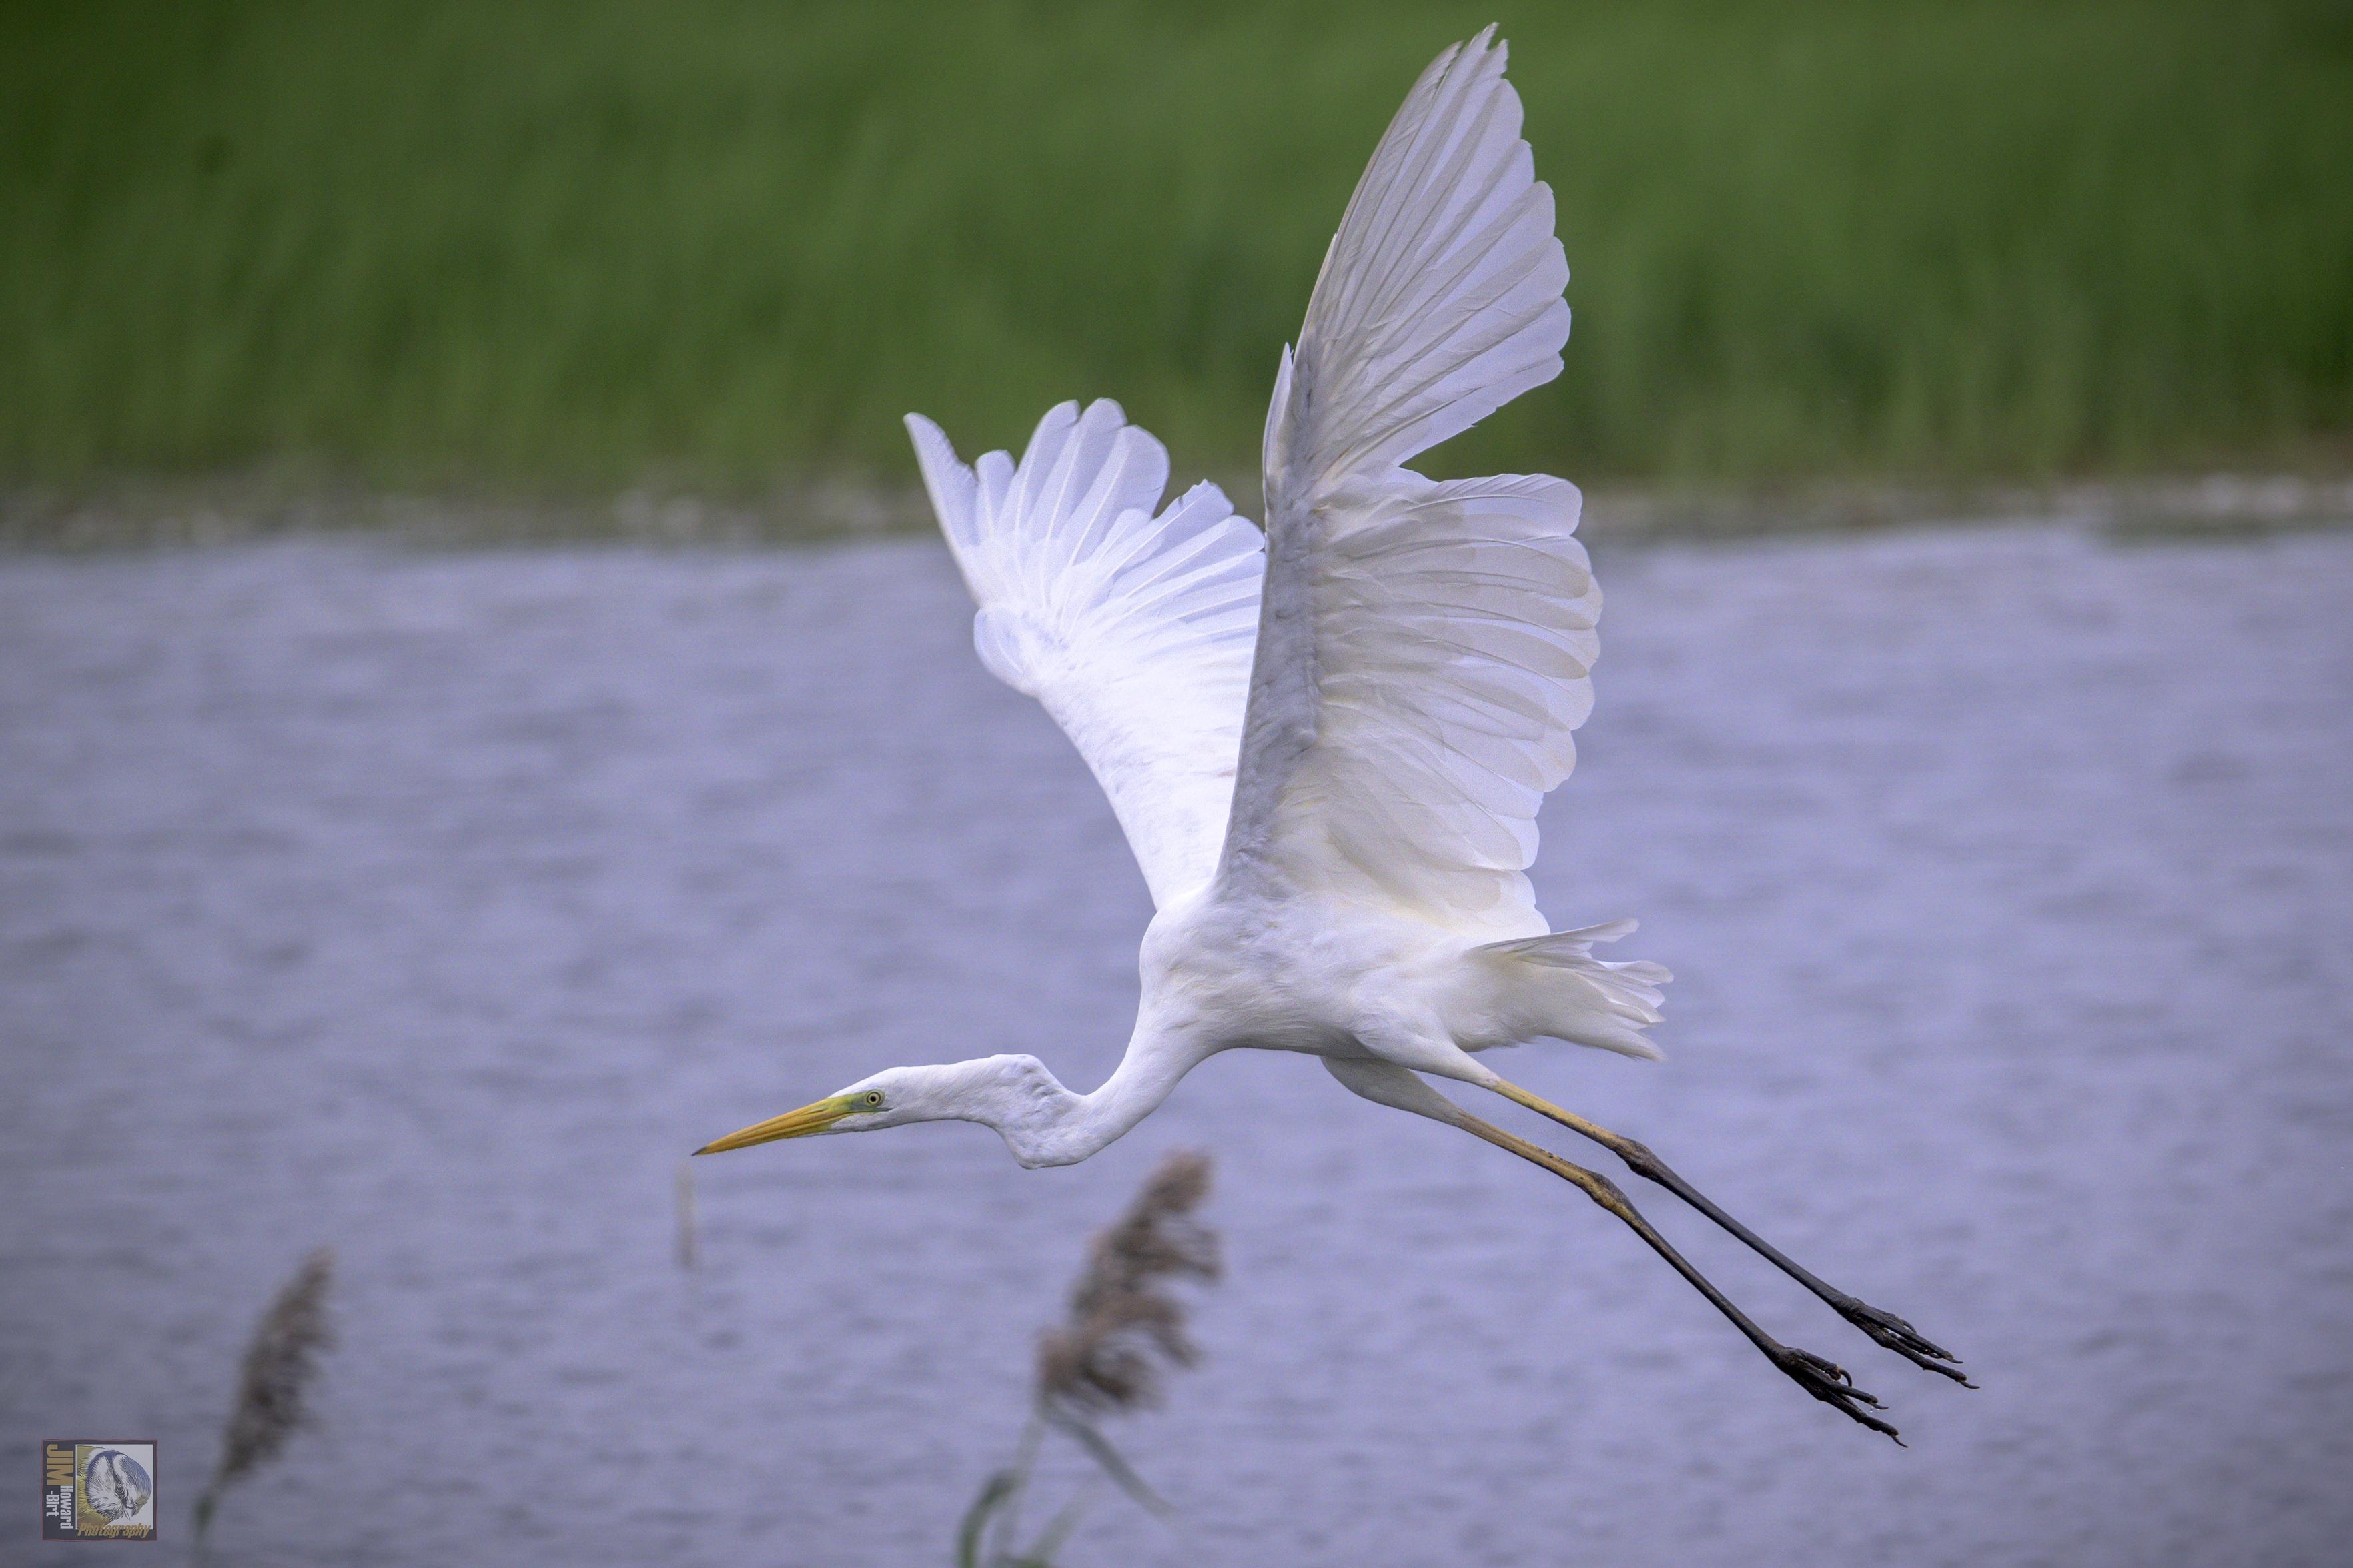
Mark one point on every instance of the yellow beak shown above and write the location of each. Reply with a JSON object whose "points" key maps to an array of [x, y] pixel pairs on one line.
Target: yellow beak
{"points": [[799, 1123]]}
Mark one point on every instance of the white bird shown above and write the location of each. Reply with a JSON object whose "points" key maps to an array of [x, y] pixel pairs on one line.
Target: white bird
{"points": [[1327, 744]]}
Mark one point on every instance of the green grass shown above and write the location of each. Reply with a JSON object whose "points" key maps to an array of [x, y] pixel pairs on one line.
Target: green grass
{"points": [[565, 247]]}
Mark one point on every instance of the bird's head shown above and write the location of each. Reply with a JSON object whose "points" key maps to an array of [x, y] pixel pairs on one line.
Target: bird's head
{"points": [[1002, 1092]]}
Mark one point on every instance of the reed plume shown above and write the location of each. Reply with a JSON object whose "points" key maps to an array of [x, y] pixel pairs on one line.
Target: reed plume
{"points": [[280, 1364], [1105, 1358]]}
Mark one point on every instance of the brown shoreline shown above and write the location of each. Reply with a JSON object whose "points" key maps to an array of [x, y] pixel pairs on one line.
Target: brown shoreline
{"points": [[134, 515]]}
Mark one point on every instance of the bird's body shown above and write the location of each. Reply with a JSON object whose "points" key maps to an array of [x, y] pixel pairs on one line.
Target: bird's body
{"points": [[1305, 974], [1327, 744]]}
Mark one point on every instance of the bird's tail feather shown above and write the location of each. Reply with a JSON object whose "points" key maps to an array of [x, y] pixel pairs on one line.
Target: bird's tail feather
{"points": [[1590, 1000]]}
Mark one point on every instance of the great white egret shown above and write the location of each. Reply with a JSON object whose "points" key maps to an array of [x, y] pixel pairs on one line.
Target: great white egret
{"points": [[1327, 744]]}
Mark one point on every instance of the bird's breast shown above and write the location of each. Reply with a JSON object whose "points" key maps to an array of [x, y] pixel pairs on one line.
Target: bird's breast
{"points": [[1289, 975]]}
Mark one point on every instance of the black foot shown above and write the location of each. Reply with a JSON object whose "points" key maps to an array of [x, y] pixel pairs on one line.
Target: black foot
{"points": [[1888, 1330], [1829, 1383]]}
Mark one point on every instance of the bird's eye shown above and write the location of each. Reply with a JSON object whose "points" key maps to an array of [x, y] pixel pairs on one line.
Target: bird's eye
{"points": [[873, 1098]]}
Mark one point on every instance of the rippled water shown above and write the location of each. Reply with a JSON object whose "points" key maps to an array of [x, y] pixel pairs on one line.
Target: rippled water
{"points": [[433, 905]]}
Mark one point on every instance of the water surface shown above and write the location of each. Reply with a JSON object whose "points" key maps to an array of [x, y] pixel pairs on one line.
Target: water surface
{"points": [[433, 904]]}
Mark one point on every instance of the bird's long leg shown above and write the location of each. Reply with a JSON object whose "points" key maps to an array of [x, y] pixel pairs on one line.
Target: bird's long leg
{"points": [[1824, 1380], [1884, 1328]]}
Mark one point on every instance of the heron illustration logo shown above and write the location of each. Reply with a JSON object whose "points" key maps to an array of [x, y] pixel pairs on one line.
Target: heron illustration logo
{"points": [[98, 1491]]}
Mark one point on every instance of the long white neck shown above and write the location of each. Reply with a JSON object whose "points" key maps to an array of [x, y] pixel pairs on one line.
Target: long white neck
{"points": [[1049, 1125]]}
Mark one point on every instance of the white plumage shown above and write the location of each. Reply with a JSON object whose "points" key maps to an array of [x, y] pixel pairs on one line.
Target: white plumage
{"points": [[1133, 629], [1327, 744], [1427, 658]]}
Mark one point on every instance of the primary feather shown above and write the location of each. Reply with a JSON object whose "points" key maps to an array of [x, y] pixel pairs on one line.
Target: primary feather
{"points": [[1423, 654], [1132, 625]]}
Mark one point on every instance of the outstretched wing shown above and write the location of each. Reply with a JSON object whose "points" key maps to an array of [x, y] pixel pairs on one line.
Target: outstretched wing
{"points": [[1424, 649], [1134, 629]]}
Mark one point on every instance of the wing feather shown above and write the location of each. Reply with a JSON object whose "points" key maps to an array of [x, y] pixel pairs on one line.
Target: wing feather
{"points": [[1131, 624], [1424, 648]]}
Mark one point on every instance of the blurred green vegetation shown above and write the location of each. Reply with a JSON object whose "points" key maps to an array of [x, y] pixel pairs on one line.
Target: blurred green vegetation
{"points": [[569, 246]]}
